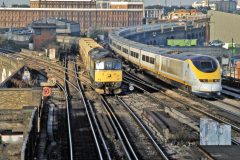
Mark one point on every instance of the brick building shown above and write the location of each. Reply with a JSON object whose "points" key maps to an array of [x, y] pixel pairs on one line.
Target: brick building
{"points": [[62, 3], [44, 33], [107, 14], [184, 13]]}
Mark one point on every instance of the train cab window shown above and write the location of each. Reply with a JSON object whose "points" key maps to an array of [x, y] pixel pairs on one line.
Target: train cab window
{"points": [[108, 65], [205, 64], [100, 65], [117, 65]]}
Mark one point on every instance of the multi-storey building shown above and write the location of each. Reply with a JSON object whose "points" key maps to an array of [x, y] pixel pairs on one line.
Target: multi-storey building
{"points": [[184, 13], [108, 14], [62, 3]]}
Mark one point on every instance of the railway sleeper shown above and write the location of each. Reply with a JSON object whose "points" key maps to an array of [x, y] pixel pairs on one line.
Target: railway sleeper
{"points": [[105, 126], [169, 127], [176, 114]]}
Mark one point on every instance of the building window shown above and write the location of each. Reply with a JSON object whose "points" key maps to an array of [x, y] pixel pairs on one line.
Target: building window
{"points": [[37, 32]]}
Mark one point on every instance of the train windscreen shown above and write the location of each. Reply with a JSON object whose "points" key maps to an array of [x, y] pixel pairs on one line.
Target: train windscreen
{"points": [[205, 64], [109, 65]]}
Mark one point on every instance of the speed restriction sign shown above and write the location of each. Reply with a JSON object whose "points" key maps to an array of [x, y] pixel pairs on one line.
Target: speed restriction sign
{"points": [[46, 91]]}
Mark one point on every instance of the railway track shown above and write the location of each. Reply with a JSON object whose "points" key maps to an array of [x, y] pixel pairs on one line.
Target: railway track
{"points": [[136, 139], [73, 83], [82, 141], [85, 143], [232, 92], [214, 112]]}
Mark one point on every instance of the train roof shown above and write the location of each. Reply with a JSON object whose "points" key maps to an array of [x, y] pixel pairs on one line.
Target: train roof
{"points": [[183, 56], [99, 53], [174, 52]]}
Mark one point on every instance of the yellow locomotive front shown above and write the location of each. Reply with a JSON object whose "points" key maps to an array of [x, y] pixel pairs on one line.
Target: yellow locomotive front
{"points": [[108, 75]]}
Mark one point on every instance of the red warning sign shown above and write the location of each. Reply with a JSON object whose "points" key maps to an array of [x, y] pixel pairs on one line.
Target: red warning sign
{"points": [[46, 91]]}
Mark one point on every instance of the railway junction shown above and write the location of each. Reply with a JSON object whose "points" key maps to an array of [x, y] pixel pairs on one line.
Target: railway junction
{"points": [[150, 119]]}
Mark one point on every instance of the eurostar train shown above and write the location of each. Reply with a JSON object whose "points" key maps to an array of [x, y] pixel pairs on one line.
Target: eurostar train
{"points": [[105, 71], [198, 74]]}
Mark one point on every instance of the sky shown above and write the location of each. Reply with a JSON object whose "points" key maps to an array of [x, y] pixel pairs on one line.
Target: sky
{"points": [[147, 2]]}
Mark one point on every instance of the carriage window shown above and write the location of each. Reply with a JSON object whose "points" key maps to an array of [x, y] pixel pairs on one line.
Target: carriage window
{"points": [[136, 55], [125, 50], [151, 60], [119, 47], [143, 57], [147, 59], [132, 53]]}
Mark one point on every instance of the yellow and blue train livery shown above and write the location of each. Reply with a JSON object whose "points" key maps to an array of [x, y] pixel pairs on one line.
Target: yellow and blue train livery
{"points": [[105, 71], [199, 74]]}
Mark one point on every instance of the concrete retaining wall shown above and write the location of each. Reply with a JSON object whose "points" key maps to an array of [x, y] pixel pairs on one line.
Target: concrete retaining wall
{"points": [[224, 26], [160, 39]]}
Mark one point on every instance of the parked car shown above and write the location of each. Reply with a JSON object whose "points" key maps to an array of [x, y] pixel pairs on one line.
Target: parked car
{"points": [[216, 43], [229, 45]]}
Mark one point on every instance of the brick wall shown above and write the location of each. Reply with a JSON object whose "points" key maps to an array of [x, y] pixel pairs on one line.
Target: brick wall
{"points": [[106, 18], [46, 36], [13, 98]]}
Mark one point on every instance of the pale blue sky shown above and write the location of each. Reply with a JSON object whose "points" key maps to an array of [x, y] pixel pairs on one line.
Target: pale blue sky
{"points": [[147, 2]]}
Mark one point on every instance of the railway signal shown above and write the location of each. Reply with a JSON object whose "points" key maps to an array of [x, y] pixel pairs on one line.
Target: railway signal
{"points": [[46, 91]]}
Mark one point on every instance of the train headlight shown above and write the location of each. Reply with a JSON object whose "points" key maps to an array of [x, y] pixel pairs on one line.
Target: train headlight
{"points": [[203, 80], [131, 87]]}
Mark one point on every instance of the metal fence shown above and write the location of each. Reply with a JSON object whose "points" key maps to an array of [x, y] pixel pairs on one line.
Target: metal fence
{"points": [[231, 75]]}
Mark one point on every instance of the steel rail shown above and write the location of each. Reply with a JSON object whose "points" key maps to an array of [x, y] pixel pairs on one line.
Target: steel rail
{"points": [[117, 126], [99, 131], [68, 113], [236, 128], [225, 110], [137, 119], [80, 90]]}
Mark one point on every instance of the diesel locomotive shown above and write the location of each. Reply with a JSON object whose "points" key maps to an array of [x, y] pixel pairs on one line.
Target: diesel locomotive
{"points": [[104, 70]]}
